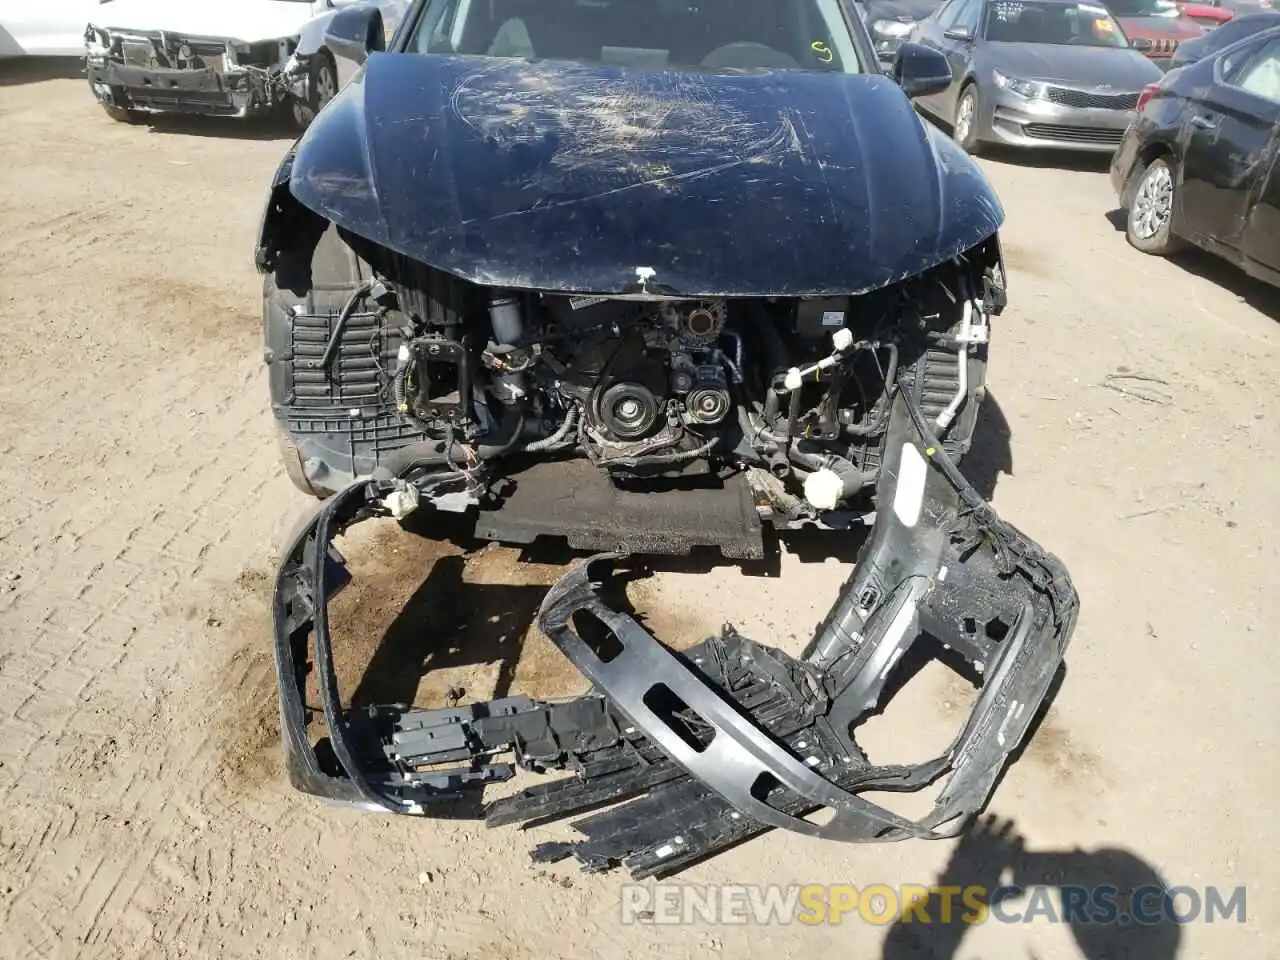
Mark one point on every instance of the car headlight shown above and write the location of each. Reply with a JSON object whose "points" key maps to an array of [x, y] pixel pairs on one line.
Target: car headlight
{"points": [[1023, 88], [890, 28]]}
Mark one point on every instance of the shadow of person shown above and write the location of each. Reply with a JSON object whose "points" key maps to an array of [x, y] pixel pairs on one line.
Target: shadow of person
{"points": [[991, 452], [993, 856]]}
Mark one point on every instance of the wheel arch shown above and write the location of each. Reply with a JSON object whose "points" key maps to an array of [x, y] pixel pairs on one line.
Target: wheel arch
{"points": [[311, 39], [1150, 152], [970, 82], [970, 79], [288, 234]]}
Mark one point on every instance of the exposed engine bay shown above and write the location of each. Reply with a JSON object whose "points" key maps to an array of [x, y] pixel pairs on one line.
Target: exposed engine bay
{"points": [[812, 400], [791, 394]]}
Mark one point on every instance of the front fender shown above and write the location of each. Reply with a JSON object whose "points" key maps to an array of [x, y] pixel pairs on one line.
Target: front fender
{"points": [[311, 37], [287, 233]]}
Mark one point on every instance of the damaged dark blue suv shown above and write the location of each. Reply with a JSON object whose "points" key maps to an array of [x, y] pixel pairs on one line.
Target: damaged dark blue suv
{"points": [[645, 277]]}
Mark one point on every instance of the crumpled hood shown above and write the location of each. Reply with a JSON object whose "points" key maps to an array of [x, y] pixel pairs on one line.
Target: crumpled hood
{"points": [[246, 20], [568, 177]]}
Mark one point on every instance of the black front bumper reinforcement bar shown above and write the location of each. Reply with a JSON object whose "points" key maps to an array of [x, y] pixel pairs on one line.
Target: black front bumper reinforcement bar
{"points": [[695, 751]]}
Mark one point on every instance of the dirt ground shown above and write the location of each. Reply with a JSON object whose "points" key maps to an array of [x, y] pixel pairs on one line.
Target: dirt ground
{"points": [[144, 813]]}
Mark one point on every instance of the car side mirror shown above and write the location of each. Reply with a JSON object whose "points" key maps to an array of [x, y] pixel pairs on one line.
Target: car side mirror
{"points": [[963, 34], [921, 71], [1141, 44], [355, 32]]}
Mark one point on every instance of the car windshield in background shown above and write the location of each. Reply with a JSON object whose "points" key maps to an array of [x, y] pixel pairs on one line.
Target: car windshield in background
{"points": [[1144, 8], [708, 35], [1082, 24]]}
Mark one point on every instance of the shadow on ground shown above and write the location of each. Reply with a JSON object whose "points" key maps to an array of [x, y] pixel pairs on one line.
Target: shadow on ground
{"points": [[450, 623], [994, 856], [15, 71], [453, 621], [267, 127], [1079, 161], [992, 451], [1259, 295]]}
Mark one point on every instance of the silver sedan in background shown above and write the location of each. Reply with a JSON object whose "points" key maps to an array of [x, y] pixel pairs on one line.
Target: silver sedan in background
{"points": [[1035, 73]]}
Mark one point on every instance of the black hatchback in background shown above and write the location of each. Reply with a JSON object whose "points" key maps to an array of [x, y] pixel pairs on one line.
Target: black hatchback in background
{"points": [[1198, 163], [1233, 31]]}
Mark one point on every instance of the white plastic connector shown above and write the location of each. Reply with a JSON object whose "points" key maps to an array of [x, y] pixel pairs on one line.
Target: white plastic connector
{"points": [[823, 488], [793, 379], [402, 501], [842, 339]]}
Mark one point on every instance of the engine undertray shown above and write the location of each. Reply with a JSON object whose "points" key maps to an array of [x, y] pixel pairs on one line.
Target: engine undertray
{"points": [[576, 500]]}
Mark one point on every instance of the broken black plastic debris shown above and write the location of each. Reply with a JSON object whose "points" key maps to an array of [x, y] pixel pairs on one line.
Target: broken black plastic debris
{"points": [[732, 737]]}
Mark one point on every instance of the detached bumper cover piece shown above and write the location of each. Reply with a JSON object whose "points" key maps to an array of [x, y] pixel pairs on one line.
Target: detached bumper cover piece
{"points": [[729, 738]]}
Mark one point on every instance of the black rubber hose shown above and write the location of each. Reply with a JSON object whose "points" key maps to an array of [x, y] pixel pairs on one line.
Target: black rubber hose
{"points": [[890, 377], [487, 451], [771, 342], [776, 357], [434, 453], [423, 453], [400, 397], [335, 338]]}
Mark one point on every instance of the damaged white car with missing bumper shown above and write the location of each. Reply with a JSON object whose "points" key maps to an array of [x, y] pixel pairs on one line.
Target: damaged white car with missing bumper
{"points": [[231, 58]]}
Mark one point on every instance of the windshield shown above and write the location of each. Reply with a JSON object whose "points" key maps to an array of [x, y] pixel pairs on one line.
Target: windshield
{"points": [[1144, 8], [1079, 24], [708, 35]]}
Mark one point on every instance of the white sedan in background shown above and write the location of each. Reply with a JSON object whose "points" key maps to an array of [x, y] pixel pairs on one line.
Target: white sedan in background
{"points": [[44, 28], [228, 58]]}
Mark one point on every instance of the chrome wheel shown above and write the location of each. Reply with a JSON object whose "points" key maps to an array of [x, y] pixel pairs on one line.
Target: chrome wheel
{"points": [[321, 87], [326, 85], [964, 117], [1153, 203]]}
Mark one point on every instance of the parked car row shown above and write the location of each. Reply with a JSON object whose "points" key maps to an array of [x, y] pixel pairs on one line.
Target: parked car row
{"points": [[1195, 150], [1165, 24], [1039, 73]]}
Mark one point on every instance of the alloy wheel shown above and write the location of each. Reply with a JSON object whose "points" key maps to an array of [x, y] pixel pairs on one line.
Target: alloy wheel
{"points": [[1153, 204], [964, 117]]}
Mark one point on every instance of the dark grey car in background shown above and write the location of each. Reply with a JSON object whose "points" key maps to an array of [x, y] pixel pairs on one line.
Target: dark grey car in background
{"points": [[1237, 28], [890, 21], [1035, 73]]}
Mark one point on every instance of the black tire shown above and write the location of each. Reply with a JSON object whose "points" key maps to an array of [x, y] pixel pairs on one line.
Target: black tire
{"points": [[968, 138], [322, 85], [323, 445], [1148, 223], [117, 110]]}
